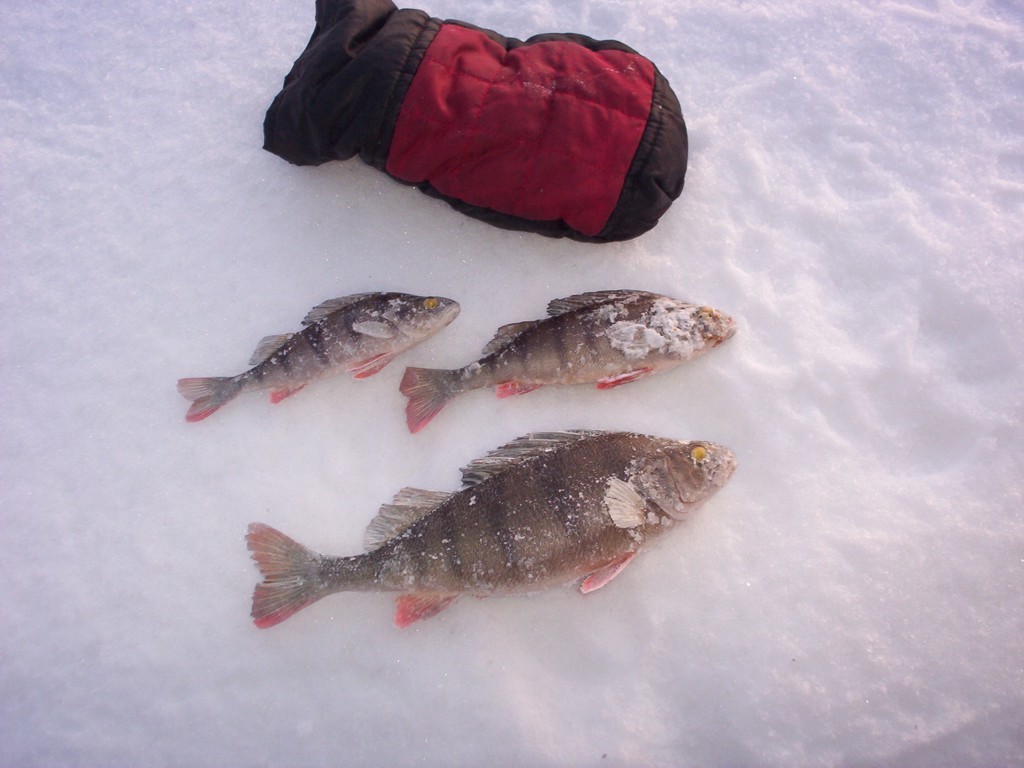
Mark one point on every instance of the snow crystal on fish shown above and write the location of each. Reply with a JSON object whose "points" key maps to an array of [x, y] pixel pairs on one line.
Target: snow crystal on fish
{"points": [[664, 327]]}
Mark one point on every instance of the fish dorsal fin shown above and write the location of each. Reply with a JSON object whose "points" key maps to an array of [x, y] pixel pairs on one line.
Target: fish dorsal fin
{"points": [[268, 345], [408, 506], [505, 334], [525, 447], [320, 311], [592, 299], [624, 504]]}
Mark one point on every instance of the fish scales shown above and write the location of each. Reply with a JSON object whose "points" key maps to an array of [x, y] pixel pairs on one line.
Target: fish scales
{"points": [[359, 333], [567, 349], [543, 510], [607, 337], [513, 530], [322, 344], [559, 349]]}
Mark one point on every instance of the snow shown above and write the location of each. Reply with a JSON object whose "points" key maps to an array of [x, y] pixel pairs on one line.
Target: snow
{"points": [[854, 596], [669, 327]]}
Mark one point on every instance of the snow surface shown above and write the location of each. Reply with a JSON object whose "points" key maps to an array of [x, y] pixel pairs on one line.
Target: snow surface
{"points": [[854, 596]]}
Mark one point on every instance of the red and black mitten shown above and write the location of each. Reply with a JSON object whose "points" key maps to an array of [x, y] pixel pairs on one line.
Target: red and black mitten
{"points": [[559, 134]]}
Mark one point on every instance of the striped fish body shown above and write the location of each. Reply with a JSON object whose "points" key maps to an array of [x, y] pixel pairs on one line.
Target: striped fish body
{"points": [[544, 510], [359, 334], [608, 338], [352, 337], [540, 521]]}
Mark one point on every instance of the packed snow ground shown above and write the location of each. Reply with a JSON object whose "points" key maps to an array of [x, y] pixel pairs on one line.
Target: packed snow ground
{"points": [[854, 597]]}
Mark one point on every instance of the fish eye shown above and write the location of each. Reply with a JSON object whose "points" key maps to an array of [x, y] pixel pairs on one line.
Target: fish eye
{"points": [[431, 303], [698, 453]]}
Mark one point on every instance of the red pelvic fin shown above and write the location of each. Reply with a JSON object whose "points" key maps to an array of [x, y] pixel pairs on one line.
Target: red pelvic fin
{"points": [[622, 378], [512, 388], [277, 395], [422, 605], [606, 573], [371, 365]]}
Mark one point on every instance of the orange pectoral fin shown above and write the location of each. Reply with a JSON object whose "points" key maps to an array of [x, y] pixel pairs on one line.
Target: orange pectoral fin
{"points": [[623, 378], [366, 368], [511, 388], [411, 608], [277, 395], [606, 573]]}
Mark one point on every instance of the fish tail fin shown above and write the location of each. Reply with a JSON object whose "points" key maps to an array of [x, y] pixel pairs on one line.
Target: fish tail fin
{"points": [[290, 575], [428, 390], [207, 394]]}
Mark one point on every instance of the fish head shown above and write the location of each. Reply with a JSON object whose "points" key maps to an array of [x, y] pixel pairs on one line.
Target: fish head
{"points": [[419, 317], [713, 326], [680, 477]]}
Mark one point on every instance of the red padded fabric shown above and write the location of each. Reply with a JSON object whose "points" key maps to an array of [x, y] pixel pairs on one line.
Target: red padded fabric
{"points": [[544, 131]]}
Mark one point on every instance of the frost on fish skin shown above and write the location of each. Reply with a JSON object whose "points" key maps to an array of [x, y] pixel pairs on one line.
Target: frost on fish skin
{"points": [[360, 333], [608, 338], [610, 312], [545, 510], [668, 327], [672, 330]]}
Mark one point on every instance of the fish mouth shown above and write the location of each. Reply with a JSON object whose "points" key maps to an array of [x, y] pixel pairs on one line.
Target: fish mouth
{"points": [[725, 469], [727, 328], [718, 327], [449, 311], [730, 327]]}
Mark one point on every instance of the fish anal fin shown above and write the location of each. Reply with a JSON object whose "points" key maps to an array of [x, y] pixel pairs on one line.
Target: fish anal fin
{"points": [[277, 395], [606, 573], [624, 504], [513, 388], [268, 346], [420, 605], [320, 311], [506, 333], [371, 365], [623, 378], [408, 506]]}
